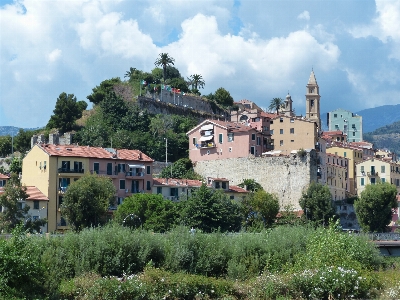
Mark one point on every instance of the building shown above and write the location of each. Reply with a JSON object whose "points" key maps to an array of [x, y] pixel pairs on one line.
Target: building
{"points": [[313, 101], [3, 179], [232, 191], [52, 168], [212, 140], [354, 155], [334, 136], [346, 121], [293, 133], [337, 176]]}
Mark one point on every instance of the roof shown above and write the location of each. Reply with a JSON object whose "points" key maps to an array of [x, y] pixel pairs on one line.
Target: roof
{"points": [[35, 194], [236, 189], [312, 79], [2, 176], [176, 182], [336, 132], [218, 179], [233, 127], [93, 152], [268, 115]]}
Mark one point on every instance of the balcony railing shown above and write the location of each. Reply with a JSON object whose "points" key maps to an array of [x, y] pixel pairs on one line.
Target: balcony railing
{"points": [[372, 174], [65, 170], [208, 145], [139, 174]]}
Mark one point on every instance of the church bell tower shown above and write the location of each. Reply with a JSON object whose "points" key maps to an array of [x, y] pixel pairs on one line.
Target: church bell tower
{"points": [[312, 101]]}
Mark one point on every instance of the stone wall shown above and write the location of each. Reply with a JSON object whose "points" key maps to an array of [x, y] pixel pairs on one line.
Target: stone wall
{"points": [[285, 176]]}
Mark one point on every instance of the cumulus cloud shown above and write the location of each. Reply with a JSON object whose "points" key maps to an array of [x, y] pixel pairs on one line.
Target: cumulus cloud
{"points": [[54, 55], [385, 27], [305, 15]]}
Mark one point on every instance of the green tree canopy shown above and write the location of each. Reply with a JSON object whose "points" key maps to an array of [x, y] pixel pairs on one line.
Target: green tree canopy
{"points": [[16, 165], [22, 141], [66, 112], [317, 203], [374, 208], [86, 201], [208, 210], [5, 145], [181, 169], [164, 60], [154, 212], [250, 185], [223, 97], [100, 92], [275, 104]]}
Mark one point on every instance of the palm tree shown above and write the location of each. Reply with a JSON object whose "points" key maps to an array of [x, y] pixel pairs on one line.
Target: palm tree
{"points": [[164, 60], [196, 80], [275, 104]]}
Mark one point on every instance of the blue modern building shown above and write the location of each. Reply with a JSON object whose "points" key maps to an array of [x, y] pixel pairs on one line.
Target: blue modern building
{"points": [[346, 121]]}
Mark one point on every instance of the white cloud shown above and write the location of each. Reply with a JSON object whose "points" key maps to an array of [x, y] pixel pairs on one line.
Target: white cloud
{"points": [[386, 25], [54, 55], [305, 15]]}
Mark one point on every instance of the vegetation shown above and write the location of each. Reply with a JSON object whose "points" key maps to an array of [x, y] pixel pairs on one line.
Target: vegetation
{"points": [[275, 104], [181, 169], [375, 206], [86, 201], [386, 137], [317, 203], [164, 60], [250, 185]]}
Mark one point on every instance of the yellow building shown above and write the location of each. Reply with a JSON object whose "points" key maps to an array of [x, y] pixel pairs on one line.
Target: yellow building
{"points": [[374, 170], [293, 133], [354, 155], [52, 168], [337, 176]]}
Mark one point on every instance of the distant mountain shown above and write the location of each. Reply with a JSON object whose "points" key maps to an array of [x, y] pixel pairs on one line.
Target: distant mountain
{"points": [[374, 118], [11, 130], [386, 137]]}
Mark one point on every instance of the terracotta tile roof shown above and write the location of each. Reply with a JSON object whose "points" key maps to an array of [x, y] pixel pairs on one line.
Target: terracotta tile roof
{"points": [[2, 176], [268, 115], [176, 182], [35, 194], [234, 127], [337, 132], [236, 189], [92, 152], [218, 179]]}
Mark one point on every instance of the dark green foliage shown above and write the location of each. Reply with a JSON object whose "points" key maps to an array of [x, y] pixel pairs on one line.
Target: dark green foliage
{"points": [[317, 203], [260, 207], [154, 213], [275, 104], [101, 91], [181, 169], [374, 208], [86, 201], [5, 145], [164, 60], [16, 165], [223, 97], [210, 210], [250, 185], [22, 141], [66, 112]]}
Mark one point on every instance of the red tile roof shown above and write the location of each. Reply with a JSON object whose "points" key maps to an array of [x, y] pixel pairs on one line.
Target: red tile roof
{"points": [[236, 189], [93, 152], [2, 176], [268, 115], [35, 194], [177, 182]]}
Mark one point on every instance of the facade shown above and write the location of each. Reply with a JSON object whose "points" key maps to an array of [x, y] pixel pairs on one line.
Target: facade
{"points": [[346, 121], [52, 168], [374, 170], [292, 133], [354, 155], [313, 101], [232, 191], [335, 136], [3, 180], [337, 176], [213, 140], [175, 189]]}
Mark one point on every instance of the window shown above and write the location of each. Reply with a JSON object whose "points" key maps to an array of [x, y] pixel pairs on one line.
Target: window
{"points": [[253, 136], [281, 131], [372, 180], [335, 115], [148, 185], [122, 184], [220, 137], [311, 102], [217, 185], [159, 190], [35, 204], [121, 168], [232, 197], [362, 182], [353, 125], [2, 183], [336, 126], [109, 168], [271, 131], [230, 137], [135, 186], [292, 130], [148, 170], [383, 180], [224, 185], [120, 200], [272, 122], [344, 154], [230, 149], [292, 141], [63, 183], [383, 169], [281, 120], [252, 150], [65, 165], [194, 141], [362, 169], [44, 165], [281, 142], [292, 120], [96, 167], [258, 141]]}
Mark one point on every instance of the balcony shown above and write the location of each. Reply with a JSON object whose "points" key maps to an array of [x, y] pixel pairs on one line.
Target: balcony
{"points": [[208, 145], [372, 174], [65, 170], [330, 175], [134, 174]]}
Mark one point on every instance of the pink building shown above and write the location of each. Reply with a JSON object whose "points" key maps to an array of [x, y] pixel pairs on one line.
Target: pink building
{"points": [[212, 139]]}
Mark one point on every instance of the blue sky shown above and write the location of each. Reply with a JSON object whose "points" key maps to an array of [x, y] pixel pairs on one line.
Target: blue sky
{"points": [[256, 49]]}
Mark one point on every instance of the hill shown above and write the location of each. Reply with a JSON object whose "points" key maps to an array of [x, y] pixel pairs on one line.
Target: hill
{"points": [[386, 137], [8, 130]]}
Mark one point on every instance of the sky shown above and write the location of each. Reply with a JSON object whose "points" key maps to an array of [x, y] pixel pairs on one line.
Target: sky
{"points": [[255, 49]]}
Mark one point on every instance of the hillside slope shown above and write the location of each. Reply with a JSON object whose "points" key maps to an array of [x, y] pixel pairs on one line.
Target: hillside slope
{"points": [[386, 137]]}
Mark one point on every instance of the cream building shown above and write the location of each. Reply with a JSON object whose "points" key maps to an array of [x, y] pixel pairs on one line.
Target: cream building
{"points": [[337, 176]]}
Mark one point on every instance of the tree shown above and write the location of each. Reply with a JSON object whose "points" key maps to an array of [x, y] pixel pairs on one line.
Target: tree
{"points": [[196, 81], [66, 112], [22, 141], [223, 97], [250, 185], [5, 145], [209, 210], [260, 207], [164, 60], [16, 165], [86, 201], [275, 104], [317, 203], [181, 169], [13, 213], [153, 212], [101, 91], [375, 207]]}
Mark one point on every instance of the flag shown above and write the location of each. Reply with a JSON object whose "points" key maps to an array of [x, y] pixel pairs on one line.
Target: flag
{"points": [[143, 82]]}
